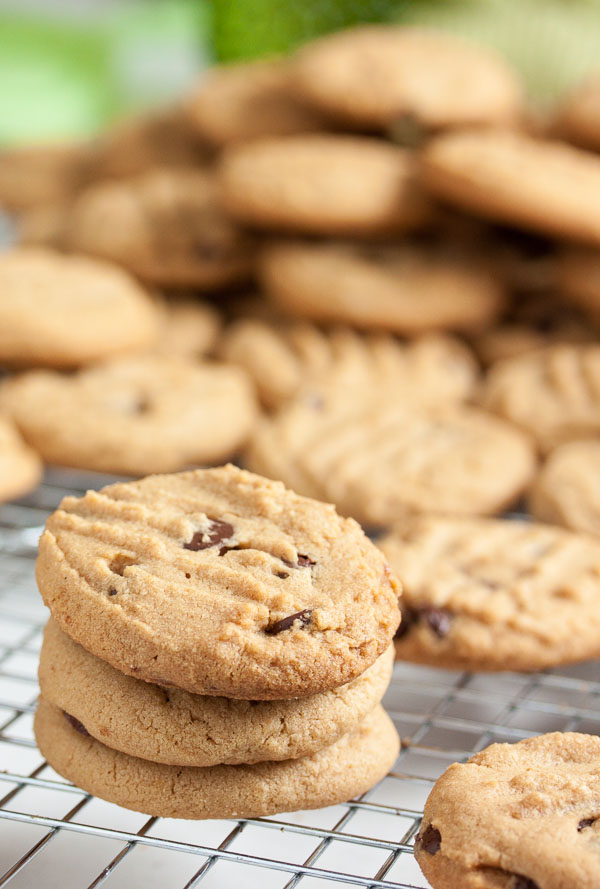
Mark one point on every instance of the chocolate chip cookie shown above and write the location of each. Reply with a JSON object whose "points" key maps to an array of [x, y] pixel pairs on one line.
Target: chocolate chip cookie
{"points": [[411, 289], [322, 185], [377, 77], [543, 186], [516, 816], [218, 582], [175, 727], [133, 416], [337, 773], [64, 311], [482, 594]]}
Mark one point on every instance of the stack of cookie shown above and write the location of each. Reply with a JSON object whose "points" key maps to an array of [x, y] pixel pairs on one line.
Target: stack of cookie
{"points": [[218, 647]]}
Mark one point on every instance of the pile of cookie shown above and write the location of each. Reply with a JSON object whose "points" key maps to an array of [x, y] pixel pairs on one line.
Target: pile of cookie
{"points": [[369, 271], [230, 666]]}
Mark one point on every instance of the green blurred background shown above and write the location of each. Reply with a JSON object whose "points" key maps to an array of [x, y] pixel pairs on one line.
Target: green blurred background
{"points": [[69, 67]]}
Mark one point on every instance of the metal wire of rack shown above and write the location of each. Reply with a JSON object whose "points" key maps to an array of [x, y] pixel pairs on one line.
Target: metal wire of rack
{"points": [[53, 834]]}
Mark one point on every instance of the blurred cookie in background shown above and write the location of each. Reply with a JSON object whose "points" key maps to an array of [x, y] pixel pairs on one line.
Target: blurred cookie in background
{"points": [[20, 466], [323, 185], [380, 77], [546, 187], [133, 416], [579, 277], [235, 103], [407, 289], [67, 311], [566, 491], [167, 227], [553, 394], [578, 117], [38, 175], [282, 359], [189, 328]]}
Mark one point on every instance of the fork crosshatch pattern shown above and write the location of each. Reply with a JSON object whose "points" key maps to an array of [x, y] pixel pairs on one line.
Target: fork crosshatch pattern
{"points": [[53, 834]]}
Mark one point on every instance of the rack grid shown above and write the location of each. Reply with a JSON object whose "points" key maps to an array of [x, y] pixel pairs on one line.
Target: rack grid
{"points": [[52, 834]]}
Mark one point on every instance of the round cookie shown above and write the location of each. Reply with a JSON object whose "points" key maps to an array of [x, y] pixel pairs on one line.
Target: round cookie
{"points": [[235, 103], [381, 455], [579, 278], [133, 416], [567, 488], [189, 329], [282, 359], [553, 394], [219, 582], [166, 226], [516, 816], [177, 728], [411, 289], [64, 311], [376, 75], [548, 187], [495, 594], [578, 120], [351, 766], [20, 467], [322, 184]]}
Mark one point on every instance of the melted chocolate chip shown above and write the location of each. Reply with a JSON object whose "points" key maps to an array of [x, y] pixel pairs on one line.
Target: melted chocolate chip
{"points": [[585, 822], [282, 574], [520, 882], [78, 726], [430, 840], [439, 620], [217, 532], [303, 562], [112, 592], [286, 622]]}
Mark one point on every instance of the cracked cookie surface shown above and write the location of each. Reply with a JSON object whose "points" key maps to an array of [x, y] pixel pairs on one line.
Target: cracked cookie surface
{"points": [[178, 728], [346, 769], [516, 816], [219, 582], [495, 594]]}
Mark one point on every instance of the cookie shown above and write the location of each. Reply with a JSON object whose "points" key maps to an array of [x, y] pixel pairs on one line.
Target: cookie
{"points": [[235, 103], [553, 394], [38, 175], [411, 289], [281, 360], [376, 76], [547, 187], [162, 137], [189, 329], [579, 278], [322, 184], [20, 466], [566, 490], [166, 226], [177, 728], [349, 767], [218, 582], [64, 311], [578, 120], [133, 416], [516, 816], [381, 456], [495, 594]]}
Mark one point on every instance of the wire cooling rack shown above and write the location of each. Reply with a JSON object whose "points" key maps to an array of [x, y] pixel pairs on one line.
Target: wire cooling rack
{"points": [[54, 835]]}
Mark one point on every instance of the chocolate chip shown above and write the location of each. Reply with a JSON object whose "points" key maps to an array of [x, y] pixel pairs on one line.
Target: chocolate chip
{"points": [[430, 840], [286, 622], [520, 882], [281, 574], [78, 726], [303, 562], [217, 532], [112, 592], [585, 822], [438, 619]]}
